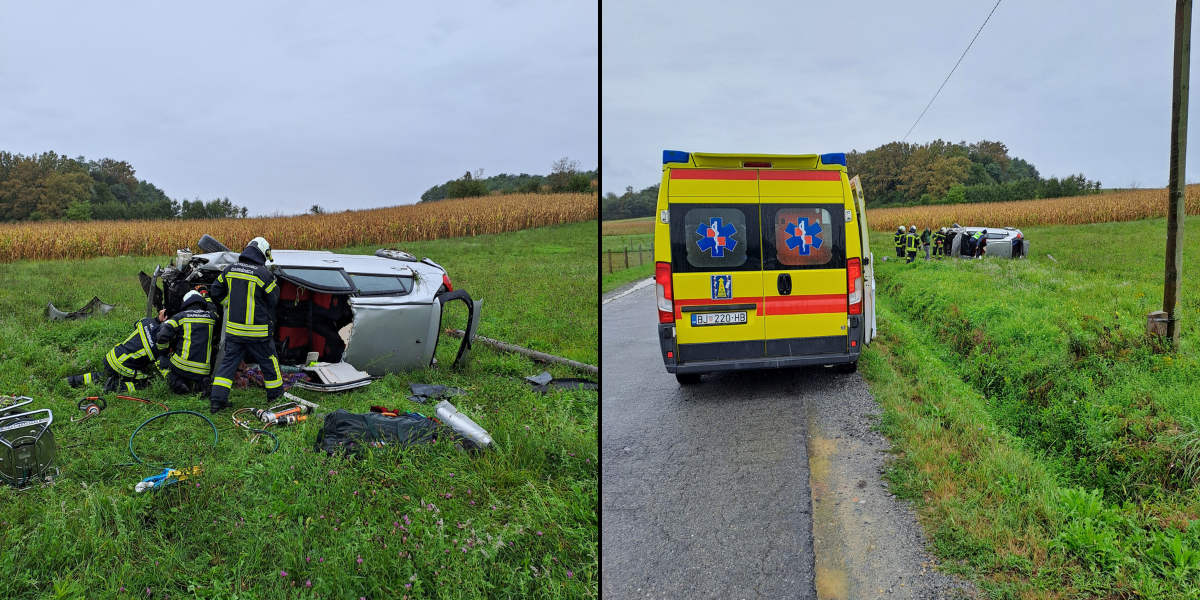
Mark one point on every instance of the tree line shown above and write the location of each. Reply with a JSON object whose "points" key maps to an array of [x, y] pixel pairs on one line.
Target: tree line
{"points": [[939, 172], [49, 186], [900, 174], [564, 176]]}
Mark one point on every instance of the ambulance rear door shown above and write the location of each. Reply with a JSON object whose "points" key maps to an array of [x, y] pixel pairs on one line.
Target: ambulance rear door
{"points": [[868, 268], [804, 262], [716, 263]]}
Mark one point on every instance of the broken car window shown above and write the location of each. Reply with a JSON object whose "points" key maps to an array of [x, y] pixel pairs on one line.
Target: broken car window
{"points": [[321, 278]]}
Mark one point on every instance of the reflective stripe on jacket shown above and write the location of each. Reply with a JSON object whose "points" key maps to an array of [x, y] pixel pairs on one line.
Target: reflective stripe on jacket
{"points": [[899, 240], [249, 294], [134, 355], [193, 353], [910, 242]]}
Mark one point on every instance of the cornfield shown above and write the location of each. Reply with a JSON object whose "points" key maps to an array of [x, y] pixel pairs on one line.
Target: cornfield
{"points": [[1076, 210], [418, 222], [627, 226]]}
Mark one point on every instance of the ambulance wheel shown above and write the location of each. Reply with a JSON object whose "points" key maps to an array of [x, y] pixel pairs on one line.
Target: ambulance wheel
{"points": [[687, 378], [848, 367]]}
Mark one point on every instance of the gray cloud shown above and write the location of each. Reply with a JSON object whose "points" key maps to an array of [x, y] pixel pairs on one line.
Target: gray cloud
{"points": [[282, 105], [1069, 86]]}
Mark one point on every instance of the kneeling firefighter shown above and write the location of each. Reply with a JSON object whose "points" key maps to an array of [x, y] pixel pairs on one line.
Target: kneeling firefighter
{"points": [[191, 362], [249, 294], [129, 366]]}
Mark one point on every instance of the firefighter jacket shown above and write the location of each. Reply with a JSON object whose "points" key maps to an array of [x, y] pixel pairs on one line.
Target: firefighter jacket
{"points": [[248, 292], [134, 356], [939, 239], [192, 331], [900, 240], [910, 242]]}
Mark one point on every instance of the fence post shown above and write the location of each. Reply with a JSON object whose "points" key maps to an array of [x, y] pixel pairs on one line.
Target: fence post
{"points": [[626, 257], [610, 261], [639, 255]]}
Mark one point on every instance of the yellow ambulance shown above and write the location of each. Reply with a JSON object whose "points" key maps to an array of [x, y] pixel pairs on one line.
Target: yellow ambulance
{"points": [[761, 261]]}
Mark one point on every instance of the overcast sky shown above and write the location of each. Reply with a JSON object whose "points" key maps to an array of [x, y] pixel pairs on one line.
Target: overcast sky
{"points": [[281, 105], [1069, 86]]}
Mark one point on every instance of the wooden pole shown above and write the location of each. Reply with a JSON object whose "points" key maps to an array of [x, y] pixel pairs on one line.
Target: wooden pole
{"points": [[626, 257], [639, 255], [534, 354], [1178, 176], [610, 261]]}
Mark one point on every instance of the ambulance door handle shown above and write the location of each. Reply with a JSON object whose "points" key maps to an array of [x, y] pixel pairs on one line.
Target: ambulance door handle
{"points": [[784, 284]]}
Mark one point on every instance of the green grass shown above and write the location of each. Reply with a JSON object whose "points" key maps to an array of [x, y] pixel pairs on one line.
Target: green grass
{"points": [[1058, 358], [525, 512], [612, 281]]}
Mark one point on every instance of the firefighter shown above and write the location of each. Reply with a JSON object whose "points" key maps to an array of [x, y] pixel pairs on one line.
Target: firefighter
{"points": [[192, 330], [130, 366], [910, 243], [939, 242], [926, 240], [900, 242], [249, 294]]}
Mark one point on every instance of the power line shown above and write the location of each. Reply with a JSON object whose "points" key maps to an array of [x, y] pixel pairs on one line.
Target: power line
{"points": [[964, 54]]}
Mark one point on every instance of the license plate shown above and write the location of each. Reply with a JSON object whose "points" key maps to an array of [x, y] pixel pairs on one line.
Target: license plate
{"points": [[726, 318]]}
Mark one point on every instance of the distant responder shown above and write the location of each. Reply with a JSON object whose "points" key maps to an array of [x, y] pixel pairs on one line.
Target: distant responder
{"points": [[981, 244], [926, 240], [131, 365], [910, 243], [939, 243], [248, 292], [900, 242], [191, 330]]}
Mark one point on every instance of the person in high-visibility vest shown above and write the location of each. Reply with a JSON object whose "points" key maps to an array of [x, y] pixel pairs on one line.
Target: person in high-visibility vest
{"points": [[900, 242], [911, 241], [981, 244], [249, 293], [130, 365], [939, 243]]}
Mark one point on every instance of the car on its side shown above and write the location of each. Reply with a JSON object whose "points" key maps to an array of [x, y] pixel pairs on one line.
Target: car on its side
{"points": [[1002, 242], [379, 314]]}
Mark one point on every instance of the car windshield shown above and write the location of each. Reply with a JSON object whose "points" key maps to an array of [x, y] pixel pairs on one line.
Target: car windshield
{"points": [[382, 284], [322, 278]]}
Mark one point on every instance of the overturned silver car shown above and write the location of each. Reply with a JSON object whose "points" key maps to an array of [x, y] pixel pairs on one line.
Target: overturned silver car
{"points": [[1002, 242], [379, 314]]}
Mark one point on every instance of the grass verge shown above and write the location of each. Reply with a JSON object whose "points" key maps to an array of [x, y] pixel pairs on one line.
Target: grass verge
{"points": [[1054, 361], [520, 520]]}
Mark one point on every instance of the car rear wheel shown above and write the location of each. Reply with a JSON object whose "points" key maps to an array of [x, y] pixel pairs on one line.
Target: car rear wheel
{"points": [[687, 378]]}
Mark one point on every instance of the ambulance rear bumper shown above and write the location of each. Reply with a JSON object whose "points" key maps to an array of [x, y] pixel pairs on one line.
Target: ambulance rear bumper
{"points": [[746, 364], [817, 354]]}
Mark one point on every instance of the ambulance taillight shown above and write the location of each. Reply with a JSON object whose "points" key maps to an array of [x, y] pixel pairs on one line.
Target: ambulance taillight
{"points": [[662, 285], [854, 285]]}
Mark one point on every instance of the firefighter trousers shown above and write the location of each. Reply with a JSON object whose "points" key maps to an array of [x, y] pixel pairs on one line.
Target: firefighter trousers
{"points": [[912, 255], [113, 382], [261, 351]]}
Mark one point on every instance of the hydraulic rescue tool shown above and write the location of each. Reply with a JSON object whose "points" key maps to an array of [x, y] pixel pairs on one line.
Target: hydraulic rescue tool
{"points": [[27, 447], [91, 406], [167, 477]]}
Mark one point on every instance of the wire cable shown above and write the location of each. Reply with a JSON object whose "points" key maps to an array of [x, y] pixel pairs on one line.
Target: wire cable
{"points": [[964, 54], [160, 415]]}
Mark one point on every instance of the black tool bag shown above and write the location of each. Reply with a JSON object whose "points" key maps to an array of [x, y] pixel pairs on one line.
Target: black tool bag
{"points": [[350, 433]]}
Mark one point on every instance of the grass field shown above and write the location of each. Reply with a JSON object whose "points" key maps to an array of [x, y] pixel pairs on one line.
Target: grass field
{"points": [[516, 521], [1130, 205], [640, 225], [620, 276], [415, 222], [1015, 388]]}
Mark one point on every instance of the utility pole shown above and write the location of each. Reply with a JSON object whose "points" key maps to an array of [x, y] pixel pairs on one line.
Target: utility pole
{"points": [[1177, 179]]}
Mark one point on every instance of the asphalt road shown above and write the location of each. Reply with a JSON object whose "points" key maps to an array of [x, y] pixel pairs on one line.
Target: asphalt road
{"points": [[706, 489]]}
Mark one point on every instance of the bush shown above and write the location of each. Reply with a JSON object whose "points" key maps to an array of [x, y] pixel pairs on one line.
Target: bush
{"points": [[466, 187]]}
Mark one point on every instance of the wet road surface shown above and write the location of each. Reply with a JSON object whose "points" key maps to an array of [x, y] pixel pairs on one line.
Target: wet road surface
{"points": [[706, 488]]}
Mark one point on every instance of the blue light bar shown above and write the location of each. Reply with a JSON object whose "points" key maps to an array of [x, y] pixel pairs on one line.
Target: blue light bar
{"points": [[834, 158], [675, 156]]}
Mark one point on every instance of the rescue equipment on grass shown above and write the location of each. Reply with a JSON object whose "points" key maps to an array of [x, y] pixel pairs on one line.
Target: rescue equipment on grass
{"points": [[27, 446], [462, 424], [348, 433], [94, 405], [167, 477]]}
